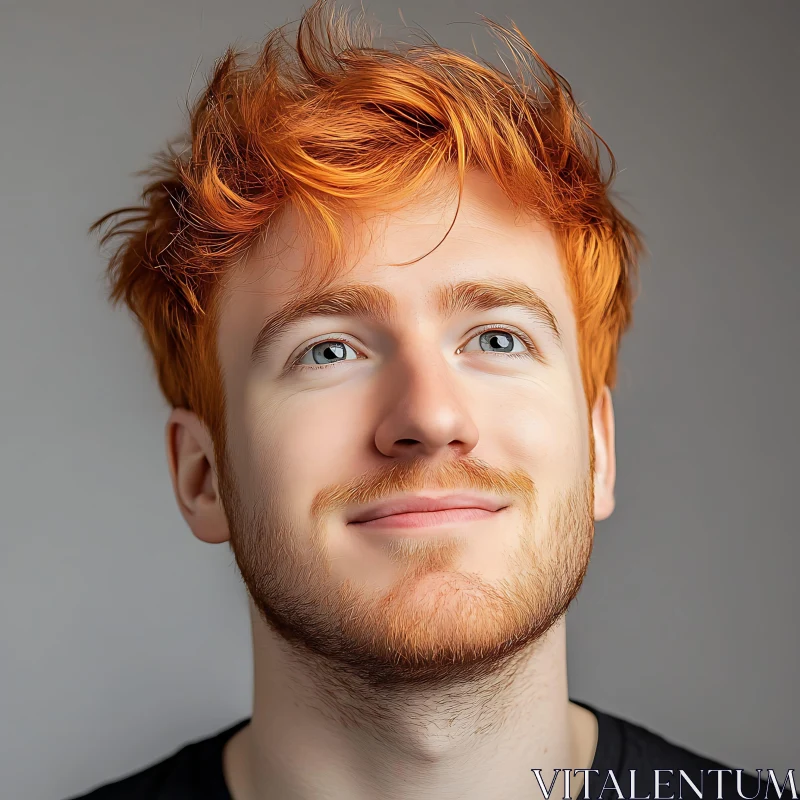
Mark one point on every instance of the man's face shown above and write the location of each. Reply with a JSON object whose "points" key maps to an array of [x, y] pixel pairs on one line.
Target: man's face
{"points": [[438, 395]]}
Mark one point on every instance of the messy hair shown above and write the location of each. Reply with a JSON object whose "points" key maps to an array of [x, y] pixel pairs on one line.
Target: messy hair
{"points": [[328, 119]]}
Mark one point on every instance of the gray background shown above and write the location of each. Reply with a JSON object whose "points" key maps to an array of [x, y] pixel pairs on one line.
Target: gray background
{"points": [[124, 637]]}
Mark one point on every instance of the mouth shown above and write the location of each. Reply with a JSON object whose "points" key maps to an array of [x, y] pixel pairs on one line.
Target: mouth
{"points": [[410, 512], [427, 519]]}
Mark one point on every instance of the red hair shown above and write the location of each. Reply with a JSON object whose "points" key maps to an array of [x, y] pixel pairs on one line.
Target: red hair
{"points": [[330, 120]]}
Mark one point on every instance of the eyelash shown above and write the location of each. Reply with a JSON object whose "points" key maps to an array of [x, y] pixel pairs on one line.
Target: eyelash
{"points": [[532, 351]]}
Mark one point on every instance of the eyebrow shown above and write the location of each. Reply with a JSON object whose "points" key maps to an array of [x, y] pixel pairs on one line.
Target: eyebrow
{"points": [[378, 305]]}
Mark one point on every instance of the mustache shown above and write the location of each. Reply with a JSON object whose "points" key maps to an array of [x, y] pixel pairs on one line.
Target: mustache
{"points": [[420, 474]]}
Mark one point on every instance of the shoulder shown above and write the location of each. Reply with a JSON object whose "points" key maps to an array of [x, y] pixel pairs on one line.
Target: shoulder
{"points": [[629, 751], [154, 781], [195, 770], [643, 746], [678, 769]]}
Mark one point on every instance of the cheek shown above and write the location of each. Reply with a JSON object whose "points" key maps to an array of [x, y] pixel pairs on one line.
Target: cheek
{"points": [[542, 428], [296, 446]]}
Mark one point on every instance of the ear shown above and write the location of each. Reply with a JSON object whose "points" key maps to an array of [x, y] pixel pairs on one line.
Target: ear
{"points": [[605, 459], [190, 455]]}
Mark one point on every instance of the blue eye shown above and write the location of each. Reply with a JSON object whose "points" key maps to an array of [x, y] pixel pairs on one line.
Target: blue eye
{"points": [[497, 340], [327, 352]]}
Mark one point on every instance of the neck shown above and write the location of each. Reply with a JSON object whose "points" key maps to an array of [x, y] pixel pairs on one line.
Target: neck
{"points": [[314, 734]]}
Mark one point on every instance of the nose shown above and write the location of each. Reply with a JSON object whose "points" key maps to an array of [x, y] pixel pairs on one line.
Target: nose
{"points": [[425, 411]]}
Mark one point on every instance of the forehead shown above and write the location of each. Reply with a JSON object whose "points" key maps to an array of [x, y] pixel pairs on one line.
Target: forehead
{"points": [[489, 240]]}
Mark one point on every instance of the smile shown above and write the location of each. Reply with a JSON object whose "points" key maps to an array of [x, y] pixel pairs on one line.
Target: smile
{"points": [[426, 519]]}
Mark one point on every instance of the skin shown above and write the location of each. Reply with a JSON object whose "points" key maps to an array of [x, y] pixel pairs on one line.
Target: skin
{"points": [[387, 666]]}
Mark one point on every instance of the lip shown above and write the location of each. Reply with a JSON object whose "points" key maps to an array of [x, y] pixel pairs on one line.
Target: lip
{"points": [[425, 519], [423, 507]]}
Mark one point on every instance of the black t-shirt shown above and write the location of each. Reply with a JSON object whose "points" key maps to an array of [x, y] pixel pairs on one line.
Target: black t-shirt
{"points": [[195, 771]]}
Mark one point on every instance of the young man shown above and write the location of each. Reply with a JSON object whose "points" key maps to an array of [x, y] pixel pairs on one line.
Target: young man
{"points": [[384, 291]]}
